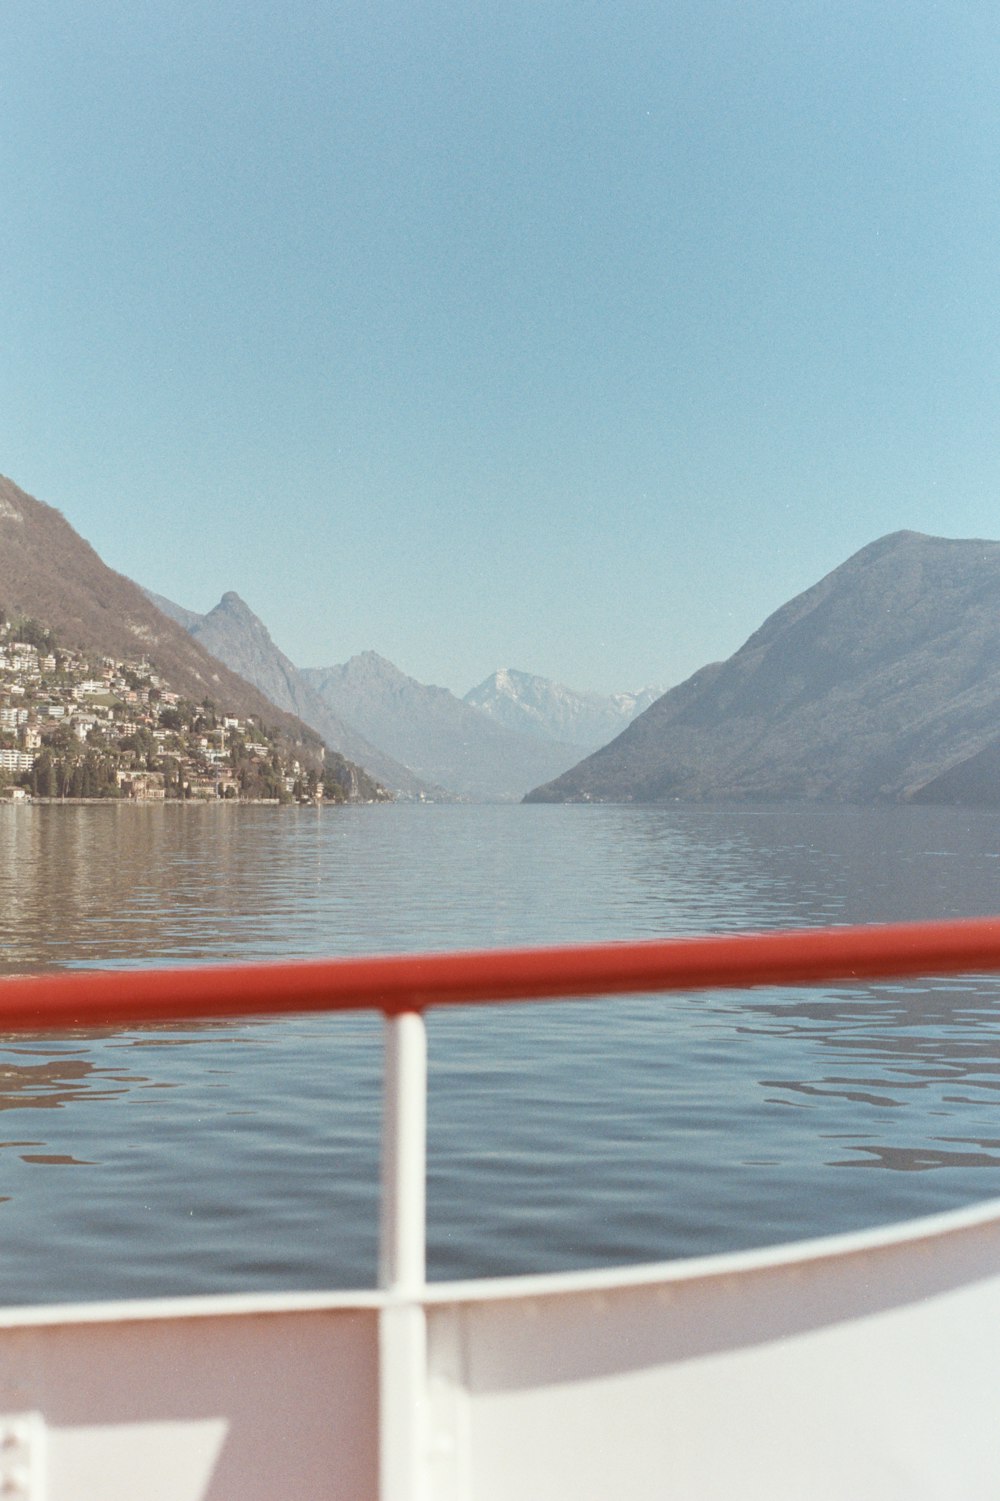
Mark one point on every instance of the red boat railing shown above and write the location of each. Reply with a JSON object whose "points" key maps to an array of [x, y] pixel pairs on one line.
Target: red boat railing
{"points": [[395, 984], [403, 987]]}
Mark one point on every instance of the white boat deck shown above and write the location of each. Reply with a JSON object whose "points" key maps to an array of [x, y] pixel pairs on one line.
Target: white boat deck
{"points": [[855, 1367], [863, 1367]]}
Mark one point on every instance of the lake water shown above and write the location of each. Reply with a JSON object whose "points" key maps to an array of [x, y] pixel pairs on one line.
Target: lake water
{"points": [[223, 1158]]}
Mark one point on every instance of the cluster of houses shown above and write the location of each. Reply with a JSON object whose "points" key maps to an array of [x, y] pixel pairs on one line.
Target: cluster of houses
{"points": [[72, 724]]}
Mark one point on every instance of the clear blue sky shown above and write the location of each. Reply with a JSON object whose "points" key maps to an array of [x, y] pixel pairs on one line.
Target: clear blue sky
{"points": [[569, 336]]}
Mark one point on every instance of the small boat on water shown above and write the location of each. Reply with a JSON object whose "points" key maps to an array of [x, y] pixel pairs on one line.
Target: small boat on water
{"points": [[858, 1366]]}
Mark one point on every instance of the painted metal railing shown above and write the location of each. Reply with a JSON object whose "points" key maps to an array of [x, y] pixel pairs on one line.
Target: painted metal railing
{"points": [[403, 987], [398, 983]]}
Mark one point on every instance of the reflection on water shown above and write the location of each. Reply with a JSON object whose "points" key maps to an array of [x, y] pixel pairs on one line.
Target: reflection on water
{"points": [[49, 1085], [221, 1157]]}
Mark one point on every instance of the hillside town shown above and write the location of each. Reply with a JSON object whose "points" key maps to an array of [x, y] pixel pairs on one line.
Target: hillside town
{"points": [[74, 725]]}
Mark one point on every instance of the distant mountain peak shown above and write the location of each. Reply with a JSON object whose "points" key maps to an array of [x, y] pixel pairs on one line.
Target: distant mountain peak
{"points": [[442, 738], [233, 613], [372, 660], [536, 706]]}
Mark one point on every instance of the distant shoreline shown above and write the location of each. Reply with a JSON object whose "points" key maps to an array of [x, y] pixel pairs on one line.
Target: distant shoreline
{"points": [[173, 802]]}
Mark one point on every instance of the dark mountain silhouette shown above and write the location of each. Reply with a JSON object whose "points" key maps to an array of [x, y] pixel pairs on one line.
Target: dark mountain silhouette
{"points": [[237, 637], [48, 572], [435, 733], [880, 683]]}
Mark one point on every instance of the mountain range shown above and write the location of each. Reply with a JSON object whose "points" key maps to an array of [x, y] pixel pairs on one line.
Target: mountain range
{"points": [[420, 740], [548, 711], [435, 733], [879, 683]]}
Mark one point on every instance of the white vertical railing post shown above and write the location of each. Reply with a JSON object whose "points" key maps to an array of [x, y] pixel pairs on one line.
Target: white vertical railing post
{"points": [[402, 1262], [402, 1248]]}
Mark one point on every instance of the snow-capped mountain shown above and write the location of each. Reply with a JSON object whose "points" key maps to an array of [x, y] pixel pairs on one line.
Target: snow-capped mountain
{"points": [[549, 711], [440, 737]]}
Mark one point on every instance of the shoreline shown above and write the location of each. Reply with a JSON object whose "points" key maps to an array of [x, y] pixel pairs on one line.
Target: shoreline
{"points": [[172, 802]]}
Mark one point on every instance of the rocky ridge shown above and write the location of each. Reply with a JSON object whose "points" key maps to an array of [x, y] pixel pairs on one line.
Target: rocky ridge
{"points": [[881, 683], [236, 636]]}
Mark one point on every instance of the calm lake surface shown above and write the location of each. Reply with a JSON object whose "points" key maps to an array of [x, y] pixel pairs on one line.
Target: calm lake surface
{"points": [[224, 1158]]}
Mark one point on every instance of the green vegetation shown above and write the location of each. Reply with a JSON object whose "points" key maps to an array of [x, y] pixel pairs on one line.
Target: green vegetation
{"points": [[88, 776], [32, 633]]}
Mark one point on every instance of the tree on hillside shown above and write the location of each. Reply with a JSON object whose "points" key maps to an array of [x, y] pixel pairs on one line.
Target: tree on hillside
{"points": [[33, 633]]}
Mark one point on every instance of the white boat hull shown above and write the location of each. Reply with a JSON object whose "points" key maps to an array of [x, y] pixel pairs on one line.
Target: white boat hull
{"points": [[862, 1366], [854, 1367]]}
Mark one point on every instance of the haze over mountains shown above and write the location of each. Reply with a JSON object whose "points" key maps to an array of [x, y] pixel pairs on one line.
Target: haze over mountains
{"points": [[437, 735], [419, 740], [880, 683]]}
